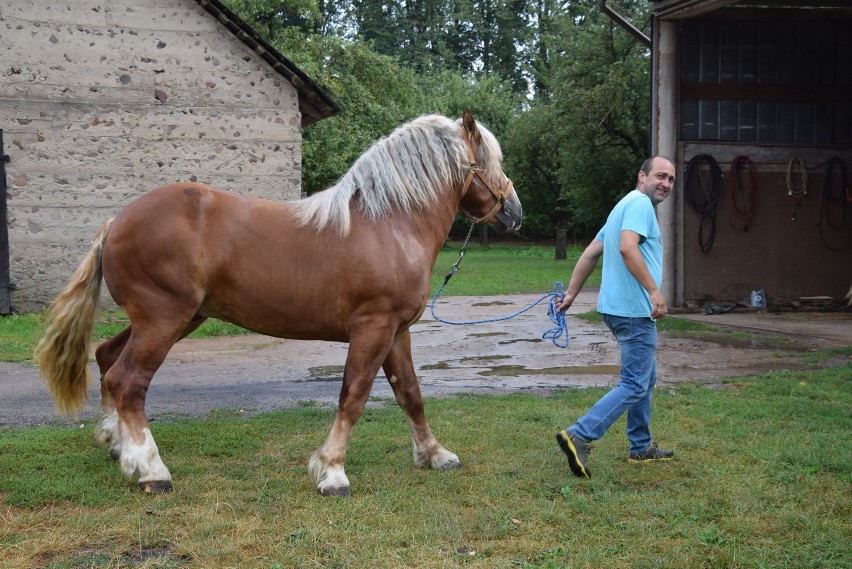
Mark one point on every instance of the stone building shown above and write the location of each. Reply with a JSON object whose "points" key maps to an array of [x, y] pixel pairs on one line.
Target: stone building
{"points": [[102, 100]]}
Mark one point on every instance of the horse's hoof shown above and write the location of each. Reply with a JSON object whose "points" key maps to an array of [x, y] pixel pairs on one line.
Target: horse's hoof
{"points": [[115, 454], [445, 460], [339, 491], [155, 486]]}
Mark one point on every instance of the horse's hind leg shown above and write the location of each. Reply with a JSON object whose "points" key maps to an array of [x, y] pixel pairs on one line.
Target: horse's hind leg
{"points": [[399, 369], [127, 382], [106, 355], [107, 431]]}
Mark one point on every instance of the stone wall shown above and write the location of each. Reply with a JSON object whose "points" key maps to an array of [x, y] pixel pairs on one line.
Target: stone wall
{"points": [[102, 100]]}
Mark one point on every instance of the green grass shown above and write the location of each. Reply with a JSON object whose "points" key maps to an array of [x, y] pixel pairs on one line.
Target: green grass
{"points": [[762, 478], [505, 268]]}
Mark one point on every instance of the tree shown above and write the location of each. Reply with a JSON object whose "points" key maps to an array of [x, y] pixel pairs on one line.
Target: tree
{"points": [[577, 150], [573, 144]]}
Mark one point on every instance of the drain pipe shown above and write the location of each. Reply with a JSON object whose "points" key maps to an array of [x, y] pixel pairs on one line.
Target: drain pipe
{"points": [[5, 286], [619, 19]]}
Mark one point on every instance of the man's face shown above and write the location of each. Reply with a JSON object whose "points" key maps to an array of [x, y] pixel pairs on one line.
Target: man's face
{"points": [[659, 182]]}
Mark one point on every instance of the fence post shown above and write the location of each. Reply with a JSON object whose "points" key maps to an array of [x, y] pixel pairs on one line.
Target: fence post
{"points": [[5, 285]]}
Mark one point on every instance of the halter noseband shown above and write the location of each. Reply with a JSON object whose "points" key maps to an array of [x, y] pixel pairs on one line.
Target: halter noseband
{"points": [[474, 171]]}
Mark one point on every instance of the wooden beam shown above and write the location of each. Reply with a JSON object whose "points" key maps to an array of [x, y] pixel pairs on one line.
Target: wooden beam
{"points": [[751, 92], [680, 9]]}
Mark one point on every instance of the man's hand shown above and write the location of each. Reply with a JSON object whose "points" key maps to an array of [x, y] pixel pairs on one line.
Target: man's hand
{"points": [[658, 303], [565, 302]]}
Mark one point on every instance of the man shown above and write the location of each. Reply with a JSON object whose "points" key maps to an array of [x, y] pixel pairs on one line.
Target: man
{"points": [[629, 301]]}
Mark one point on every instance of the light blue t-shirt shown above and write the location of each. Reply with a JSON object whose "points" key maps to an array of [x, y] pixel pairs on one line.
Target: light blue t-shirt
{"points": [[621, 294]]}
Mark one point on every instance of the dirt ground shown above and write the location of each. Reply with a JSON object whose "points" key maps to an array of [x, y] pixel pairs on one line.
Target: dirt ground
{"points": [[250, 374]]}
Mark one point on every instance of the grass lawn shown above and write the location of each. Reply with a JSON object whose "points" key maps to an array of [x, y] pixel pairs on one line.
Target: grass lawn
{"points": [[761, 479]]}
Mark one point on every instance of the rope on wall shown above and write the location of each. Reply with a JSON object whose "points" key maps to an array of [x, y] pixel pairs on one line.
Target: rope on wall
{"points": [[835, 198], [743, 195], [703, 188], [796, 181]]}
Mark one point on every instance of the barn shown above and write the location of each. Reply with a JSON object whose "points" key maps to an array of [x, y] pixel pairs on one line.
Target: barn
{"points": [[753, 99], [102, 100]]}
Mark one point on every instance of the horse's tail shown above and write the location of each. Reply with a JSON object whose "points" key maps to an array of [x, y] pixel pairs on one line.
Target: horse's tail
{"points": [[63, 352]]}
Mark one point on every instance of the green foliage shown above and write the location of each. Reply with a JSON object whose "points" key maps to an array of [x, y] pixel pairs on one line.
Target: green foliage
{"points": [[578, 150], [573, 144]]}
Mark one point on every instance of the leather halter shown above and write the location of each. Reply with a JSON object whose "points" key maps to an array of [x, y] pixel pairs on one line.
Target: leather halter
{"points": [[474, 171]]}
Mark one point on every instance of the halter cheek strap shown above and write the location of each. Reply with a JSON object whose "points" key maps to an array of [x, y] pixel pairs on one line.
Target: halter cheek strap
{"points": [[474, 171]]}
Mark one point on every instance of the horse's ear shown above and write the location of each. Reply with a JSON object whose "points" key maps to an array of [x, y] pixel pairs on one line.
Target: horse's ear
{"points": [[469, 124]]}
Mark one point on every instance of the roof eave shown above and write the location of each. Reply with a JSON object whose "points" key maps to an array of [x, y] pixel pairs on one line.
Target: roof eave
{"points": [[314, 103]]}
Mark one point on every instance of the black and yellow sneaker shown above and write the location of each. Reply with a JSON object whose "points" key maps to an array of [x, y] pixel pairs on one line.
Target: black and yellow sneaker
{"points": [[576, 451], [653, 452]]}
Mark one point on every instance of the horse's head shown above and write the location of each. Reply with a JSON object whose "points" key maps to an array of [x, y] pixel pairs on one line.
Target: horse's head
{"points": [[488, 195]]}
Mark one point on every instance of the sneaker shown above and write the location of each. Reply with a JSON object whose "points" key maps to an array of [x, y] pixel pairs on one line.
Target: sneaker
{"points": [[576, 451], [653, 452]]}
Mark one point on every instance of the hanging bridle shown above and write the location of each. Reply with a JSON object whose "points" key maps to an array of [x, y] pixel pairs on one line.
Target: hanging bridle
{"points": [[474, 171]]}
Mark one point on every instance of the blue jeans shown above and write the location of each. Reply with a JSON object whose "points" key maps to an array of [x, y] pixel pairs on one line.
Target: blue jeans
{"points": [[637, 339]]}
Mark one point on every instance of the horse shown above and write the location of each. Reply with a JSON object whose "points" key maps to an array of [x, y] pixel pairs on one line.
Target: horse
{"points": [[351, 263]]}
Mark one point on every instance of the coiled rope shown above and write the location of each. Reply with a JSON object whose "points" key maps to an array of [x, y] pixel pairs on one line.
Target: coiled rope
{"points": [[743, 196], [796, 181], [835, 200], [703, 193], [554, 334]]}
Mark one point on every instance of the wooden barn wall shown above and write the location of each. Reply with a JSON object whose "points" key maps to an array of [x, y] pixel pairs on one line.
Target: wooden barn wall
{"points": [[788, 258], [102, 100], [772, 91]]}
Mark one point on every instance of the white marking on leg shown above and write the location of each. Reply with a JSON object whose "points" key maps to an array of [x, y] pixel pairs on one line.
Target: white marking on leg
{"points": [[330, 479], [427, 450], [443, 459], [107, 431], [142, 460], [326, 464]]}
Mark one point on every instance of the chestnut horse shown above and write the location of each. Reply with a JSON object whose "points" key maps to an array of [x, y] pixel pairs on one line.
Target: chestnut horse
{"points": [[349, 264]]}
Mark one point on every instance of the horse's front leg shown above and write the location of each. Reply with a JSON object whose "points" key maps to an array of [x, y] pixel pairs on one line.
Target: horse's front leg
{"points": [[399, 369], [366, 352]]}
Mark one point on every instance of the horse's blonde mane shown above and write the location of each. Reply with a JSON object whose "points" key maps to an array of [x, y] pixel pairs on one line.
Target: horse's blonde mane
{"points": [[407, 169]]}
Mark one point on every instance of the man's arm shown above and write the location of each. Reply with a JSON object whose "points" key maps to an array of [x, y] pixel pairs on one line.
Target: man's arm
{"points": [[629, 248], [584, 267]]}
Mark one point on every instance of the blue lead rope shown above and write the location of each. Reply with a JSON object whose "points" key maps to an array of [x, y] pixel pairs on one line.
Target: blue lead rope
{"points": [[557, 317]]}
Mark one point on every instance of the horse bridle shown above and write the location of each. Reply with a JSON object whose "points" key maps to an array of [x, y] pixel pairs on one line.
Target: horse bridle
{"points": [[474, 171]]}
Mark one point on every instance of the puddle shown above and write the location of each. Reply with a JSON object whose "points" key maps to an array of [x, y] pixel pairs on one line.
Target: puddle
{"points": [[740, 342], [487, 334], [485, 358], [323, 373], [530, 340], [509, 371], [493, 303]]}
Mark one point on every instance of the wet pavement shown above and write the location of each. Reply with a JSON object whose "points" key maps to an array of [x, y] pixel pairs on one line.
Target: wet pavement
{"points": [[250, 374]]}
